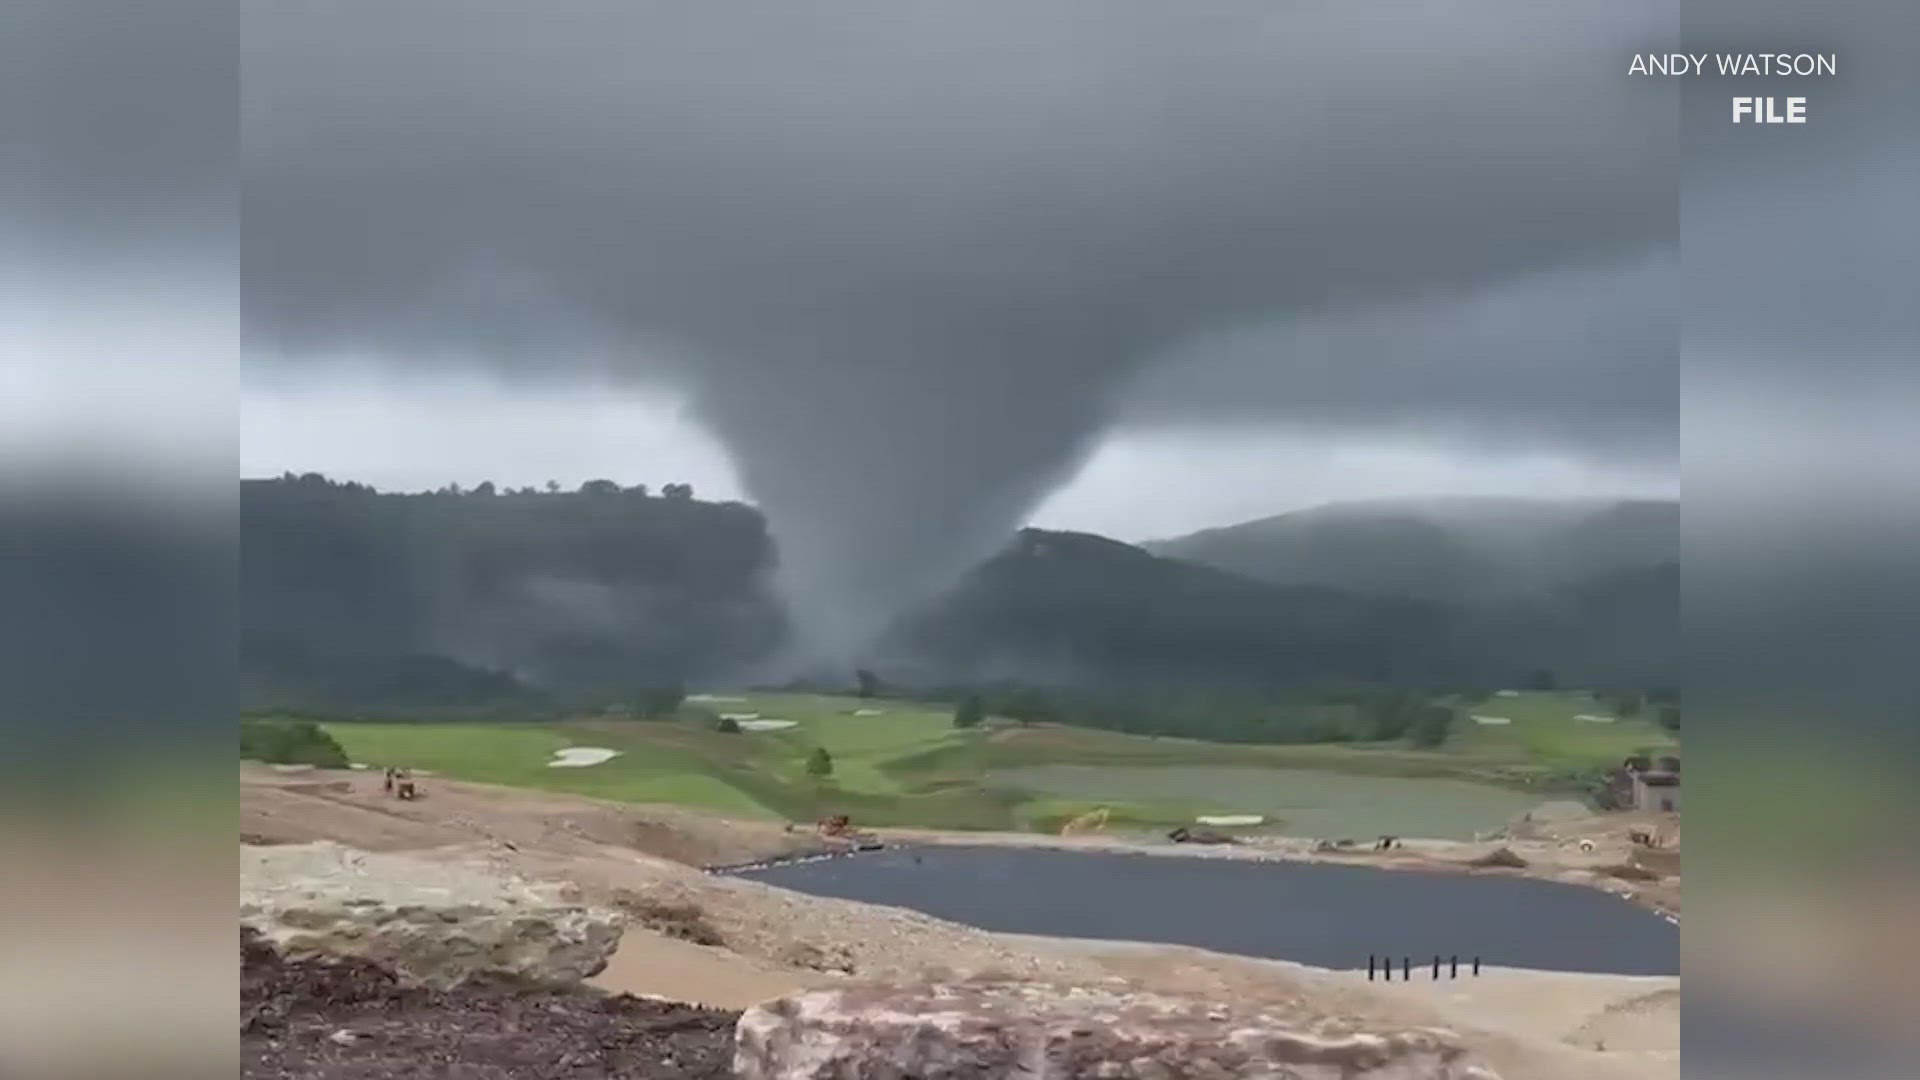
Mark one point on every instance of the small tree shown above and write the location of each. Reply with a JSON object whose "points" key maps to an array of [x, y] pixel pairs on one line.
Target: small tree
{"points": [[1670, 717], [869, 683], [727, 725], [969, 712], [820, 763], [290, 742]]}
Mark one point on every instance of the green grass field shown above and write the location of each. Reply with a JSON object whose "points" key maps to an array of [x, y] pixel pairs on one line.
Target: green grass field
{"points": [[653, 766], [1545, 730], [908, 765]]}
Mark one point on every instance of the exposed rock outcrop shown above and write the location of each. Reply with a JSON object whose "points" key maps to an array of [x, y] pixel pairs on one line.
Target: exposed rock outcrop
{"points": [[1499, 858], [433, 924], [993, 1028]]}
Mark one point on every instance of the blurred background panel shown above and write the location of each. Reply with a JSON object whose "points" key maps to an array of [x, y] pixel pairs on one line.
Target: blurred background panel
{"points": [[118, 353], [1801, 586]]}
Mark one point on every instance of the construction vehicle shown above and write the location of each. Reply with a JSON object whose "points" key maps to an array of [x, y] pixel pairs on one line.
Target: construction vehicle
{"points": [[1091, 821], [1184, 835], [839, 827]]}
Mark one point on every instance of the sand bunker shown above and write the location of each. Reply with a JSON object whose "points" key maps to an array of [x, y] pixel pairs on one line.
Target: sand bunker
{"points": [[737, 716], [1229, 819], [1492, 720], [576, 756], [1592, 719], [713, 698], [1506, 693], [869, 712], [765, 725]]}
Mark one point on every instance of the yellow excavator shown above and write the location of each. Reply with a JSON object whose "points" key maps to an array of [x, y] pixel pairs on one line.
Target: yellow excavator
{"points": [[1091, 821]]}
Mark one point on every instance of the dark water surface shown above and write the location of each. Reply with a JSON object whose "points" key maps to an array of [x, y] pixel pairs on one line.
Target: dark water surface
{"points": [[1314, 913]]}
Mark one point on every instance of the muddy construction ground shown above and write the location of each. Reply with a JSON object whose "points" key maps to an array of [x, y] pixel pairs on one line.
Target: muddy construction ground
{"points": [[726, 943]]}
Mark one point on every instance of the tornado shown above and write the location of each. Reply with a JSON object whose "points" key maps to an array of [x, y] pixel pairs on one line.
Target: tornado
{"points": [[907, 260]]}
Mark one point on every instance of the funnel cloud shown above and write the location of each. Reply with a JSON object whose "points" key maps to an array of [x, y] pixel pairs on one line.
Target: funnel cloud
{"points": [[909, 261]]}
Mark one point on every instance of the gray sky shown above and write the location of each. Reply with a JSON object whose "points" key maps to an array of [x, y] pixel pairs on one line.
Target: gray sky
{"points": [[916, 266]]}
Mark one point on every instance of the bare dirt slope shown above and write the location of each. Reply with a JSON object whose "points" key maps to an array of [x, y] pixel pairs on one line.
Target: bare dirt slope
{"points": [[727, 942], [1523, 1023], [350, 807], [643, 859]]}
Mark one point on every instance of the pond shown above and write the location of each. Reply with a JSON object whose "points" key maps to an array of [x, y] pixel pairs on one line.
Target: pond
{"points": [[1314, 913], [1307, 802]]}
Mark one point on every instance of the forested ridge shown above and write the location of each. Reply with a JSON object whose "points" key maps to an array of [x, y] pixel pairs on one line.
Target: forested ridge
{"points": [[352, 593], [464, 598]]}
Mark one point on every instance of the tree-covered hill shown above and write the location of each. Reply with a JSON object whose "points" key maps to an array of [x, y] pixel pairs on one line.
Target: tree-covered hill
{"points": [[353, 597], [452, 593], [1483, 552]]}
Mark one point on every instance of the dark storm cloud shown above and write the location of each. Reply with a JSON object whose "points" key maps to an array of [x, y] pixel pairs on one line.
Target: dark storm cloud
{"points": [[118, 122], [1582, 361], [905, 257]]}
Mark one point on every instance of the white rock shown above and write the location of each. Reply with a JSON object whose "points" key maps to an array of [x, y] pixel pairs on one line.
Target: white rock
{"points": [[989, 1028], [431, 923]]}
